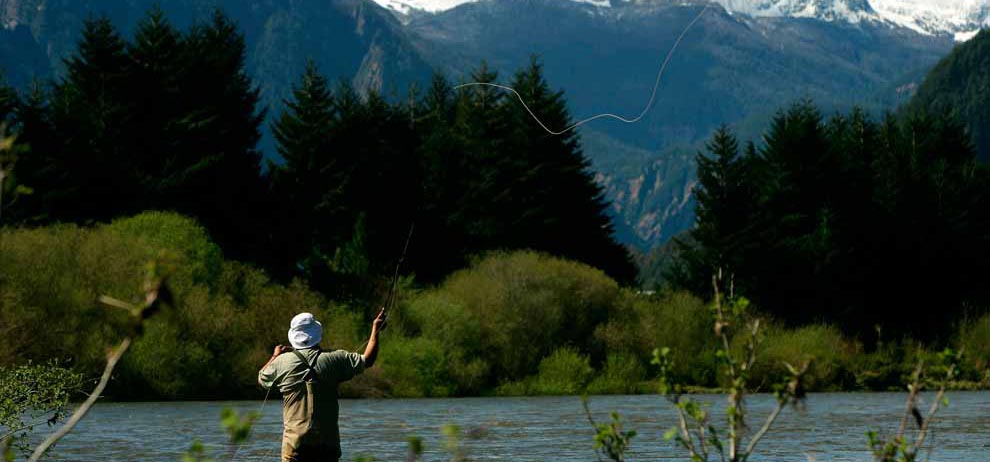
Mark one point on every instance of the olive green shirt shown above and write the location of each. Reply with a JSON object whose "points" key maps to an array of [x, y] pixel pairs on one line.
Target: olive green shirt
{"points": [[287, 371]]}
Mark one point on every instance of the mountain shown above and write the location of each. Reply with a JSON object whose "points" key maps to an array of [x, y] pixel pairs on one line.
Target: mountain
{"points": [[741, 62], [354, 40], [960, 84], [959, 18], [730, 68]]}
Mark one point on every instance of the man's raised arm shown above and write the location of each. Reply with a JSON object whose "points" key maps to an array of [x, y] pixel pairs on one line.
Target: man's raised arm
{"points": [[371, 351]]}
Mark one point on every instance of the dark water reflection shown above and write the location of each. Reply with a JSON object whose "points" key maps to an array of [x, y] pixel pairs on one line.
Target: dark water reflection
{"points": [[831, 428]]}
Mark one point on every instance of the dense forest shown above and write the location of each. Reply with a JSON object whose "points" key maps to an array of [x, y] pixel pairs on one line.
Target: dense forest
{"points": [[846, 220], [169, 120], [859, 239], [863, 222]]}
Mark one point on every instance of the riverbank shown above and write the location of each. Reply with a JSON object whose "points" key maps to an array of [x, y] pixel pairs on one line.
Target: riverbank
{"points": [[520, 323]]}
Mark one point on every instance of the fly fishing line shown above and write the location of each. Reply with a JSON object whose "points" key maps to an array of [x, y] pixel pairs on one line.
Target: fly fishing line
{"points": [[646, 109]]}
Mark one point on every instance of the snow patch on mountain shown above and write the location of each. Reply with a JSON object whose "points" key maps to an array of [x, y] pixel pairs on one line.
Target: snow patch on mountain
{"points": [[429, 6], [960, 18], [853, 11]]}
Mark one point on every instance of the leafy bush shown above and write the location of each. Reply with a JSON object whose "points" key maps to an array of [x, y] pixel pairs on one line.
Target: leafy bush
{"points": [[565, 372], [676, 320], [621, 374], [974, 341], [415, 367], [227, 318], [822, 345], [498, 318]]}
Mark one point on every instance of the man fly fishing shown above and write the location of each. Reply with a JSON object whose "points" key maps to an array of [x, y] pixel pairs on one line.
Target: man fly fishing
{"points": [[308, 380]]}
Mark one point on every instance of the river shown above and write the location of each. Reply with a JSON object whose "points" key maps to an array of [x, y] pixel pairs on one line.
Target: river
{"points": [[831, 427]]}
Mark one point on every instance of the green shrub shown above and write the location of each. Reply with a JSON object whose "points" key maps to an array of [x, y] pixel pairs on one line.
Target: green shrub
{"points": [[565, 372], [500, 316], [415, 367], [639, 323], [974, 341], [515, 388], [622, 374], [823, 345], [227, 318], [201, 259]]}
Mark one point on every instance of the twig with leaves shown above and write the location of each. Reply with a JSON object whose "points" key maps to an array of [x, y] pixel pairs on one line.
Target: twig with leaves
{"points": [[901, 447], [157, 293], [695, 432], [33, 395], [610, 440]]}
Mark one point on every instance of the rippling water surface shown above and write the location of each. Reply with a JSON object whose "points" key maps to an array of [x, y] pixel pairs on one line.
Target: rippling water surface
{"points": [[832, 427]]}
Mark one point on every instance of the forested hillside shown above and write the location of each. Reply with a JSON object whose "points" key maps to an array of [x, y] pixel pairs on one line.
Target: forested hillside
{"points": [[960, 85]]}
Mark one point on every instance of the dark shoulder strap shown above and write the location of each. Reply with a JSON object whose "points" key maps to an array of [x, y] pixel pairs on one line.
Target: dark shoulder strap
{"points": [[311, 367]]}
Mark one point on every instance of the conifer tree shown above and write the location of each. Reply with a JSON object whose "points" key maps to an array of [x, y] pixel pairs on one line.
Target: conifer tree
{"points": [[554, 203], [724, 214], [220, 178], [156, 53], [91, 113], [309, 184], [37, 169]]}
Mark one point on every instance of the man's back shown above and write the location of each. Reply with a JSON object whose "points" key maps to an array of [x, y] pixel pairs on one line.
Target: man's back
{"points": [[309, 401]]}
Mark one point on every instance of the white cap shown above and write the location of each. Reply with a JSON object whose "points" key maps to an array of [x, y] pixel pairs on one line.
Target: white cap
{"points": [[305, 331]]}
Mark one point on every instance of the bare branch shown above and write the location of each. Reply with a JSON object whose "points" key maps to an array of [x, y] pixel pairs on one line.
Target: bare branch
{"points": [[766, 427], [914, 388], [86, 405], [923, 432], [157, 292]]}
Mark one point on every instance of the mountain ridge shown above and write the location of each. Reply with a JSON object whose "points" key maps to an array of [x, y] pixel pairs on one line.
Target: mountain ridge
{"points": [[958, 18]]}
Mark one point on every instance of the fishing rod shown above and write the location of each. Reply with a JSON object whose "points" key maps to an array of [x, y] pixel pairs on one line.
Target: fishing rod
{"points": [[390, 298], [393, 288]]}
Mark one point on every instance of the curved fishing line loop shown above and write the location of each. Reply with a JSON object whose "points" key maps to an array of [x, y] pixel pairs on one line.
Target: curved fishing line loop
{"points": [[649, 104]]}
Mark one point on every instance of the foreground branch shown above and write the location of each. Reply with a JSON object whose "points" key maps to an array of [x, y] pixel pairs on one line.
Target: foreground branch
{"points": [[86, 405], [157, 293]]}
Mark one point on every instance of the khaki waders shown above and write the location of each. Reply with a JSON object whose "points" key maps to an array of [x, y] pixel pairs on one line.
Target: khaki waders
{"points": [[304, 439]]}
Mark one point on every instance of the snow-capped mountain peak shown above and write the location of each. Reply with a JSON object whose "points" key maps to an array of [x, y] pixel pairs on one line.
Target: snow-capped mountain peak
{"points": [[428, 6], [961, 18]]}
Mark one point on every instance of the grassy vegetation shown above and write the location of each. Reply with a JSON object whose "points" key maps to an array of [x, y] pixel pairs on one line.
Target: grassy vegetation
{"points": [[509, 324]]}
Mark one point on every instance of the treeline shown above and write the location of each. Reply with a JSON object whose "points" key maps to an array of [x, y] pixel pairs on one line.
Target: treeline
{"points": [[170, 120], [848, 220], [508, 324]]}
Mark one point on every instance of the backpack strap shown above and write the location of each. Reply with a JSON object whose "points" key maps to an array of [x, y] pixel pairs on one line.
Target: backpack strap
{"points": [[311, 367]]}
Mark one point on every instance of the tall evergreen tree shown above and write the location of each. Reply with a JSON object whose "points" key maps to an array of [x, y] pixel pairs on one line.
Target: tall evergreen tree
{"points": [[725, 215], [220, 177], [153, 85], [552, 202], [91, 115], [309, 184], [449, 173], [37, 167]]}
